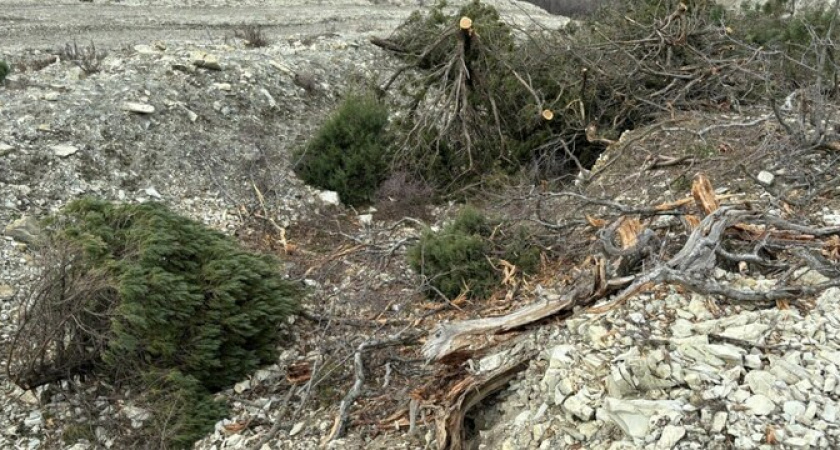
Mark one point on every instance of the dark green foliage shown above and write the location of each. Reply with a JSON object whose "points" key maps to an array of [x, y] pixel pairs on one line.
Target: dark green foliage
{"points": [[519, 249], [454, 259], [581, 74], [162, 301], [419, 31], [4, 70], [442, 154], [182, 410], [189, 298], [459, 256], [786, 33], [350, 152], [803, 44]]}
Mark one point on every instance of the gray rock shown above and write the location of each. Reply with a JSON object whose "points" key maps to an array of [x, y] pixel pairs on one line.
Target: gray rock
{"points": [[829, 299], [829, 412], [794, 409], [139, 108], [5, 149], [33, 420], [329, 198], [64, 150], [578, 405], [752, 361], [634, 416], [136, 414], [762, 382], [25, 229], [144, 49], [750, 332], [788, 372], [766, 177], [719, 421], [296, 429], [811, 277], [6, 292], [671, 434], [242, 386], [832, 220], [205, 61], [697, 307], [152, 192], [715, 355], [760, 405]]}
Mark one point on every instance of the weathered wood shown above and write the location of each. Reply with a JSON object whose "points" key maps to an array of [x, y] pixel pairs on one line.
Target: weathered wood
{"points": [[467, 393], [452, 339], [387, 44], [343, 417], [704, 194]]}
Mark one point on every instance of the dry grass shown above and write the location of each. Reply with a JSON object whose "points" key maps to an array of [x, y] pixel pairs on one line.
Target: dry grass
{"points": [[253, 36], [87, 58]]}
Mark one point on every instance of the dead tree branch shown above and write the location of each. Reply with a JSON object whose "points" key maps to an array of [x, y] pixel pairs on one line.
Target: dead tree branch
{"points": [[404, 337]]}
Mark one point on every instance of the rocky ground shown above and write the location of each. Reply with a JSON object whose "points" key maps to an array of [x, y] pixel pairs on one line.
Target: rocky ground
{"points": [[672, 369], [183, 112]]}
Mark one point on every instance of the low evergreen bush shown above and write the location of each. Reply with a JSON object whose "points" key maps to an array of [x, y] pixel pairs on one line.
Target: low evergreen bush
{"points": [[459, 256], [4, 70], [183, 412], [152, 295], [350, 152]]}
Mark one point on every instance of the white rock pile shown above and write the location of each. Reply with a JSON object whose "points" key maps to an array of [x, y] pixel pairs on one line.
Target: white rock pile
{"points": [[675, 370]]}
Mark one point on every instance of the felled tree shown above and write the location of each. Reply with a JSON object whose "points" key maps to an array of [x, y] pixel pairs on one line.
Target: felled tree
{"points": [[129, 290], [482, 97]]}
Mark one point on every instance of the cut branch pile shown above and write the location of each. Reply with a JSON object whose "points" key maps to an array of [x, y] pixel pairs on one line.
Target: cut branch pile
{"points": [[481, 97]]}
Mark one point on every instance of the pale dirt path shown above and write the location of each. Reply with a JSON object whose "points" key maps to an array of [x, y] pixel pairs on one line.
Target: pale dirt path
{"points": [[48, 24], [27, 24]]}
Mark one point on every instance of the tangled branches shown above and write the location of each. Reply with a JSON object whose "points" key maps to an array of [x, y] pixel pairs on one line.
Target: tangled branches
{"points": [[87, 58], [62, 330]]}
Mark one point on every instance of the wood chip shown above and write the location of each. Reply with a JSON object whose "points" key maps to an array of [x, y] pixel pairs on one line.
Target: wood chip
{"points": [[704, 194], [629, 231]]}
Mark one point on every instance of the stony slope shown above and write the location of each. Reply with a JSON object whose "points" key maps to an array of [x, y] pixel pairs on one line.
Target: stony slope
{"points": [[666, 370]]}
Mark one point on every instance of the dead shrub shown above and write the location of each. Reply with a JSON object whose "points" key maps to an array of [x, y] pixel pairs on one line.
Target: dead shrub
{"points": [[35, 63], [61, 331], [253, 36], [402, 195], [87, 58]]}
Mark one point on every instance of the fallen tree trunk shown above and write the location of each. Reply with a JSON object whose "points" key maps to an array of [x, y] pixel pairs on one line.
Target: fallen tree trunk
{"points": [[467, 393], [456, 342]]}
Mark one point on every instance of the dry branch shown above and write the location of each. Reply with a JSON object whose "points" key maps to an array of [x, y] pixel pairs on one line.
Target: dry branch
{"points": [[455, 342], [340, 424]]}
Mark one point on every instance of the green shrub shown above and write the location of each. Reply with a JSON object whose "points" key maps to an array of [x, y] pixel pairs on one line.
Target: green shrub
{"points": [[792, 34], [459, 256], [182, 411], [131, 292], [4, 70], [350, 152]]}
